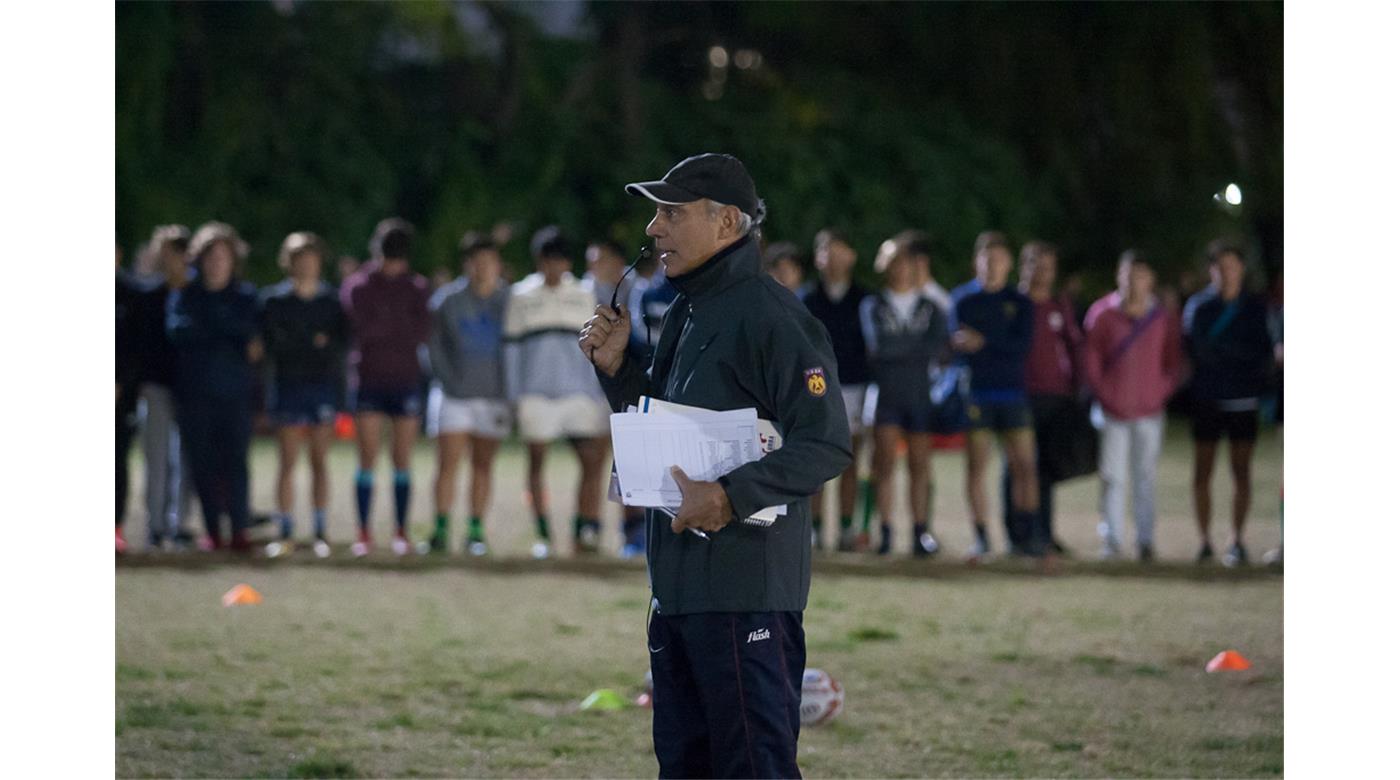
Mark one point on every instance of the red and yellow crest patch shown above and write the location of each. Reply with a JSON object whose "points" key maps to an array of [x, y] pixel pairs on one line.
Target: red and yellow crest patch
{"points": [[816, 381]]}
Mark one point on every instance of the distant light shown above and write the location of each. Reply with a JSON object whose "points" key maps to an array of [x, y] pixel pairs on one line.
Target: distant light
{"points": [[719, 58], [744, 59], [1233, 196]]}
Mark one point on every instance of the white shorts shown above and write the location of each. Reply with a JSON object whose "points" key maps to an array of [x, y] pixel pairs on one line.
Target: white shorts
{"points": [[575, 417], [854, 398], [486, 417]]}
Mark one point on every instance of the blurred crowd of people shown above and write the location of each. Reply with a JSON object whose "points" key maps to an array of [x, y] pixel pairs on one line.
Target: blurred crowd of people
{"points": [[994, 363]]}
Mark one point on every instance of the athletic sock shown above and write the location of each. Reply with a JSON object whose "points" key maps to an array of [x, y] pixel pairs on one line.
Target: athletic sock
{"points": [[402, 483], [846, 522], [318, 519], [284, 525], [440, 524], [981, 531], [579, 523], [364, 495], [474, 532], [542, 527], [867, 504], [919, 530]]}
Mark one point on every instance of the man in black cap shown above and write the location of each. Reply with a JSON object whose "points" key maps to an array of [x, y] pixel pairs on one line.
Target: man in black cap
{"points": [[726, 640]]}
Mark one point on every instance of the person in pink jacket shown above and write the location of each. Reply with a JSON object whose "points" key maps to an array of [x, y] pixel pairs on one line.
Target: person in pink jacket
{"points": [[1132, 361]]}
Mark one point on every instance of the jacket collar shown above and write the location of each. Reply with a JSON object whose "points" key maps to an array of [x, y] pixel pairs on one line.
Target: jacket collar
{"points": [[729, 266]]}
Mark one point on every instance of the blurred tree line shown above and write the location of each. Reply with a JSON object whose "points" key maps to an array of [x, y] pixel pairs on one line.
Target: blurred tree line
{"points": [[1095, 126]]}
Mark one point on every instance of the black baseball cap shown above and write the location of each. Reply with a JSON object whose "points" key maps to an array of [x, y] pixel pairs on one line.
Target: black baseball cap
{"points": [[719, 177]]}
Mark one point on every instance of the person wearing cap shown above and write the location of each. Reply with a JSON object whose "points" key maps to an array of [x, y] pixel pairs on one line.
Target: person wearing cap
{"points": [[725, 635], [212, 322]]}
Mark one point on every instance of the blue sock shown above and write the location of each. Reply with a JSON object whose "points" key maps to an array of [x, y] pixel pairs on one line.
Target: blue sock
{"points": [[401, 492], [319, 520], [364, 495], [284, 524]]}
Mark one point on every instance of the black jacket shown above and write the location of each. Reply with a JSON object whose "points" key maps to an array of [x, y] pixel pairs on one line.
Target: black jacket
{"points": [[732, 339], [211, 331]]}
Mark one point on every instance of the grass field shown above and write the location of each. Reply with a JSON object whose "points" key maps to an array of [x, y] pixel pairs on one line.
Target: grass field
{"points": [[464, 668]]}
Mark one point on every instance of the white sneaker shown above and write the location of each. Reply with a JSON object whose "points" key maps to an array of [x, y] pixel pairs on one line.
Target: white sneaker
{"points": [[401, 546], [539, 551], [278, 549], [1109, 551], [479, 549], [359, 549], [978, 552], [321, 549]]}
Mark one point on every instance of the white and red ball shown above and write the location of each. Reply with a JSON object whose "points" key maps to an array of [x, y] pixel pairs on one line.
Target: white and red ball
{"points": [[822, 698]]}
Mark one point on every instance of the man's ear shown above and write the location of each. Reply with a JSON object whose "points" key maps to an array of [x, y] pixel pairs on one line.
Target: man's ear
{"points": [[730, 220]]}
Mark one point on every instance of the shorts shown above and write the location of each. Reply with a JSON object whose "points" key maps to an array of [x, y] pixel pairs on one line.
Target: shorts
{"points": [[1238, 420], [304, 403], [485, 417], [854, 398], [911, 412], [395, 403], [574, 417], [1000, 416]]}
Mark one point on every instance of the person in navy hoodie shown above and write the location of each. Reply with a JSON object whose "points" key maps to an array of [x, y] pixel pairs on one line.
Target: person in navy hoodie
{"points": [[1232, 353], [212, 323]]}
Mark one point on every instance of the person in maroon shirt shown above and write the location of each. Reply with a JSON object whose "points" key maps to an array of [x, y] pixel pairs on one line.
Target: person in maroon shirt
{"points": [[387, 305], [1053, 372]]}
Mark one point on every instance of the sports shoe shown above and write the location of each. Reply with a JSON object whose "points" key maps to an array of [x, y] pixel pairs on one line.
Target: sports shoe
{"points": [[979, 551], [321, 548], [277, 549], [539, 550], [1109, 551], [630, 551], [1058, 547], [926, 545], [241, 543], [846, 542], [1235, 556], [886, 539], [401, 546], [362, 546], [477, 548], [1146, 554], [1274, 556], [862, 541], [1205, 553], [586, 540], [437, 543], [121, 542], [208, 543]]}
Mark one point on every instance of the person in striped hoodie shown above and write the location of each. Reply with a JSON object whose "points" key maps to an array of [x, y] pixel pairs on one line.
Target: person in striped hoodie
{"points": [[552, 385]]}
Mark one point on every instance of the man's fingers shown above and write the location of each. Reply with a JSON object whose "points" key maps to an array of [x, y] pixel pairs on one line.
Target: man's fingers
{"points": [[681, 479]]}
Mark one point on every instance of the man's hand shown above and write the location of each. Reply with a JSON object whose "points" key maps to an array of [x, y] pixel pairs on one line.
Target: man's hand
{"points": [[967, 340], [255, 350], [604, 338], [704, 505]]}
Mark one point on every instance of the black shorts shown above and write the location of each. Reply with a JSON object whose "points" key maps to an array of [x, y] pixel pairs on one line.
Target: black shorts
{"points": [[304, 403], [910, 411], [1209, 422], [395, 403], [1000, 416]]}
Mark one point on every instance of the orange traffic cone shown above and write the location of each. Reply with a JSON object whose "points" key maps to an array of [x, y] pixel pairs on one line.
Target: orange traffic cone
{"points": [[1228, 661], [242, 594]]}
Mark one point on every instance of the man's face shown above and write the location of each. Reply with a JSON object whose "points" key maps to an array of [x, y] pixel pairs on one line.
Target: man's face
{"points": [[686, 236], [605, 264], [553, 268], [484, 268], [1228, 272], [217, 266], [172, 261], [788, 273], [1125, 272], [902, 273], [306, 264], [1141, 280], [835, 259], [993, 267], [1039, 271]]}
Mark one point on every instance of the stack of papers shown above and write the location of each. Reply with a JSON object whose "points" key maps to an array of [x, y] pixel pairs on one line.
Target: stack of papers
{"points": [[655, 435]]}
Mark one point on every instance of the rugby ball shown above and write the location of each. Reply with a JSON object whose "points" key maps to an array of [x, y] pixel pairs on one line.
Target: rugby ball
{"points": [[822, 698]]}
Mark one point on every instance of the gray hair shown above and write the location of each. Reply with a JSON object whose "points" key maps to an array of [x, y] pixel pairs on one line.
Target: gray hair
{"points": [[747, 225]]}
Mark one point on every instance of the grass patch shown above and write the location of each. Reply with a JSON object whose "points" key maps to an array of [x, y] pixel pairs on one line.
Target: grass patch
{"points": [[871, 634], [322, 767]]}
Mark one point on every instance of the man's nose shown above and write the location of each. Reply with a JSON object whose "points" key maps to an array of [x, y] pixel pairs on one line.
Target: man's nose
{"points": [[654, 228]]}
